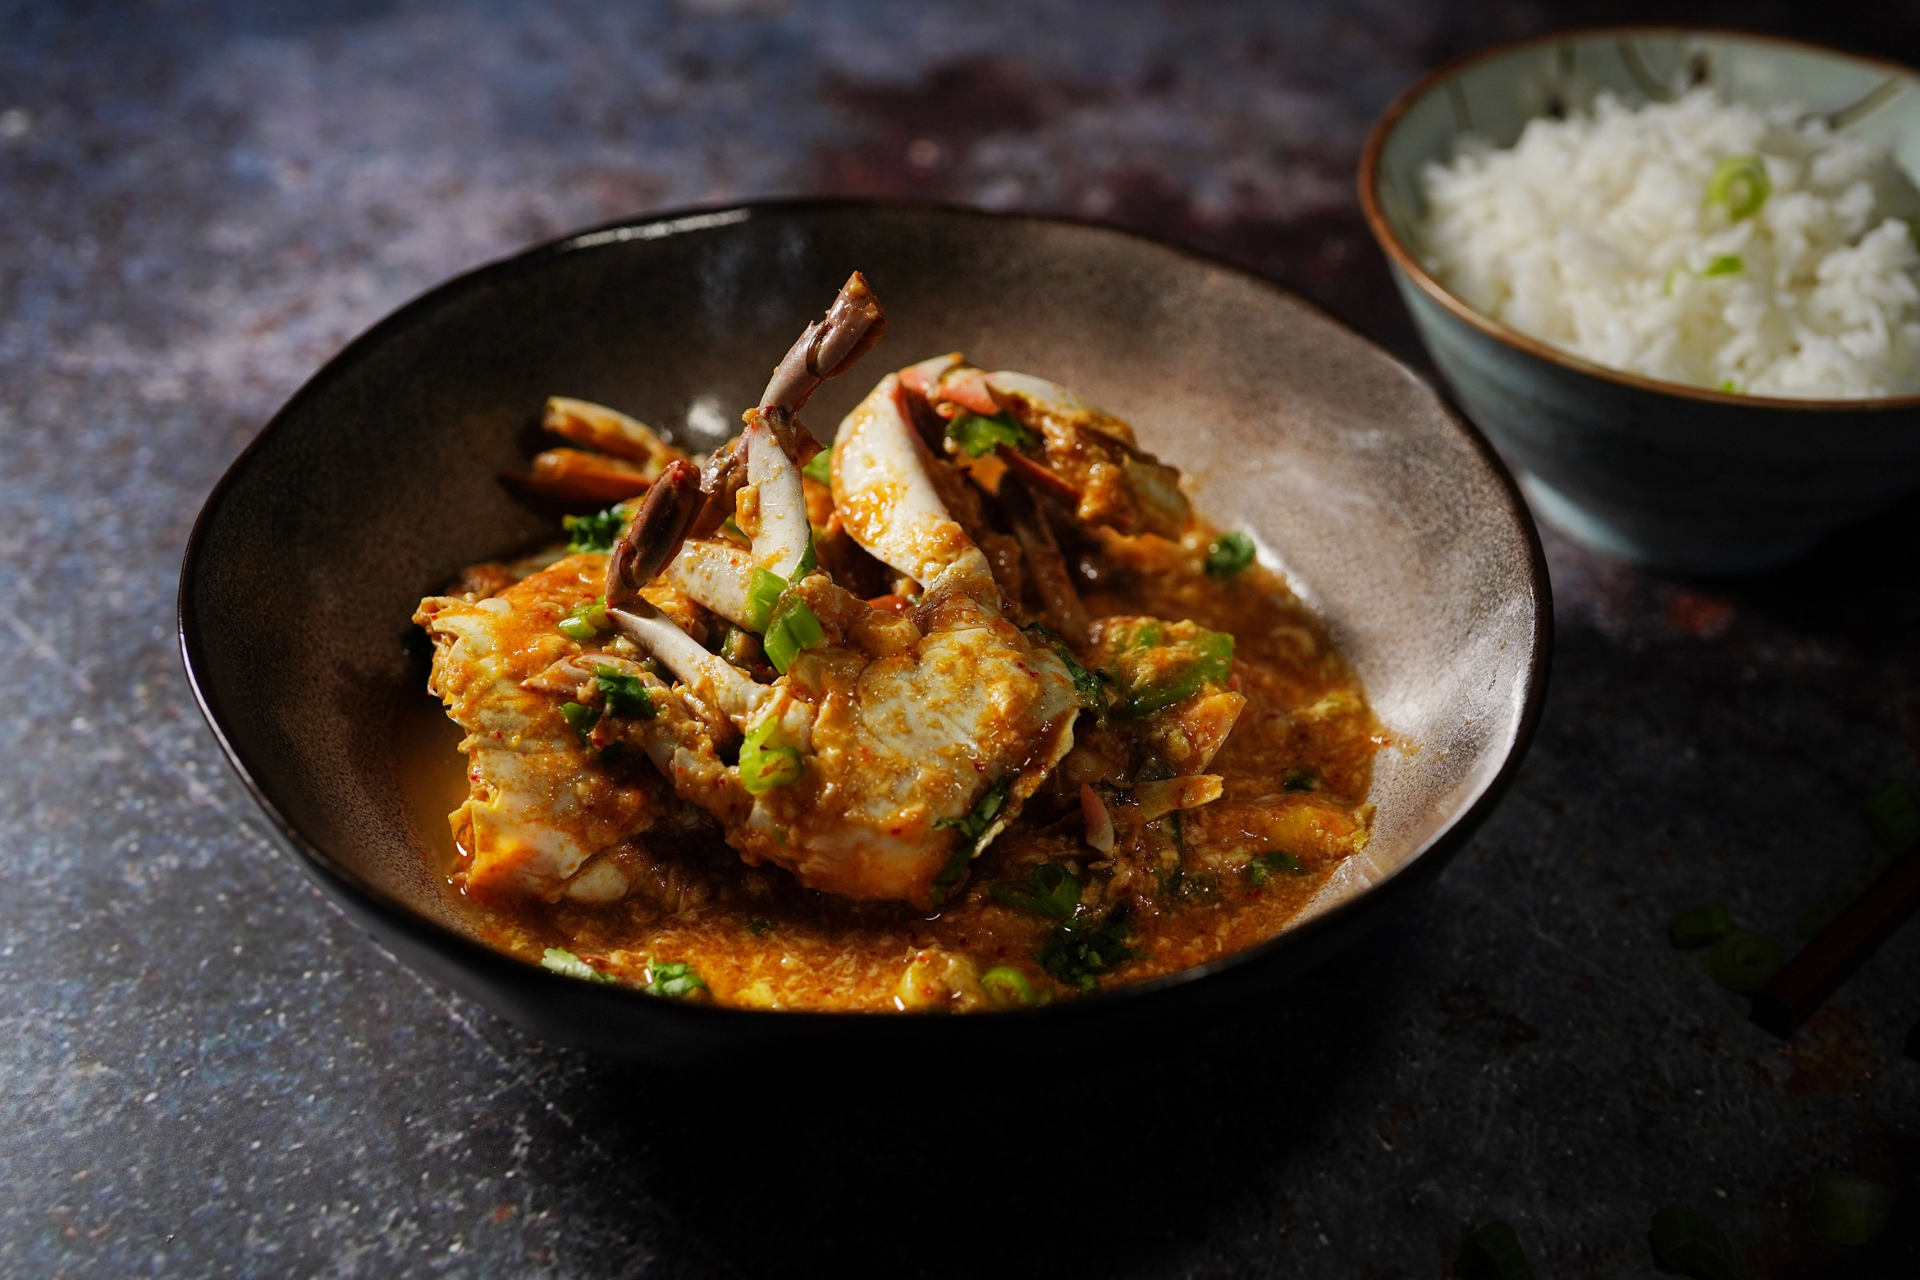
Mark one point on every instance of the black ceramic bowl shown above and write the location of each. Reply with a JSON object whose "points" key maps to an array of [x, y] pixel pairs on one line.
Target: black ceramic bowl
{"points": [[377, 483]]}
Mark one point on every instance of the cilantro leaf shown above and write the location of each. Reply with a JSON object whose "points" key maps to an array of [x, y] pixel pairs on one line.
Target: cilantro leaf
{"points": [[597, 532]]}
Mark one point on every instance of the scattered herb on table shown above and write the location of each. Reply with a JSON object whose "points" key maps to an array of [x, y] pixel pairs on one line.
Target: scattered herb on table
{"points": [[1493, 1253], [1686, 1244], [1893, 816], [1743, 961], [1847, 1208], [1814, 920], [1698, 927]]}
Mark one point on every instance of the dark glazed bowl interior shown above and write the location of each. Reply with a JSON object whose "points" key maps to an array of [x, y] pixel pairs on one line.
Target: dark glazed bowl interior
{"points": [[377, 483]]}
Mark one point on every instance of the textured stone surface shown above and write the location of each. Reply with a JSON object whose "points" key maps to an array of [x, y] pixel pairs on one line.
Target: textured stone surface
{"points": [[204, 1071]]}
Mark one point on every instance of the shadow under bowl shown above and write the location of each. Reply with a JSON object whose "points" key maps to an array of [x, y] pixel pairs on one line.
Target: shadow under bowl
{"points": [[1673, 476], [378, 481]]}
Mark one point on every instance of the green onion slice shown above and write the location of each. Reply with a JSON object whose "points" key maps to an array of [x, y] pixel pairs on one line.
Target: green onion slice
{"points": [[673, 980], [763, 593], [792, 628], [1893, 816], [579, 718], [1741, 184], [765, 762], [1847, 1208], [1743, 961], [1007, 986], [1493, 1253], [1228, 554], [977, 435], [585, 620], [1725, 265], [561, 961]]}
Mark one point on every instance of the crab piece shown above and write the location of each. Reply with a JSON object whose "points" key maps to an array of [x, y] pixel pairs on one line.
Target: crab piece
{"points": [[892, 749], [544, 803], [1061, 446]]}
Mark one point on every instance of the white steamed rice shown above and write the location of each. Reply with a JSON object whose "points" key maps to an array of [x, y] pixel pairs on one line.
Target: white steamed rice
{"points": [[1594, 233]]}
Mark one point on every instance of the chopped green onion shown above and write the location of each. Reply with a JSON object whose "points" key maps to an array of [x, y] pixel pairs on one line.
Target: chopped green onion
{"points": [[1817, 917], [1493, 1253], [809, 562], [741, 647], [673, 981], [579, 718], [1727, 264], [626, 696], [763, 593], [973, 826], [1257, 873], [1686, 1244], [597, 532], [1302, 780], [1228, 554], [1743, 961], [1893, 817], [820, 467], [1006, 985], [585, 620], [1698, 927], [1847, 1208], [561, 961], [1731, 387], [791, 629], [1048, 890], [765, 763], [1082, 948], [1741, 184], [977, 435]]}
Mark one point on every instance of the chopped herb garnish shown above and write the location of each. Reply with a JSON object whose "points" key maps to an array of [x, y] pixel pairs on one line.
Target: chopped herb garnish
{"points": [[1084, 947], [1281, 860], [1847, 1208], [1092, 688], [674, 981], [1048, 890], [809, 561], [1731, 387], [741, 647], [1727, 264], [1493, 1253], [561, 961], [1228, 554], [820, 467], [977, 435], [973, 826], [1743, 961], [1302, 780], [579, 718], [792, 628], [1741, 184], [626, 696], [1698, 927], [1257, 873], [1892, 815], [763, 593], [757, 927], [765, 762], [1816, 918], [1686, 1244], [597, 532], [1155, 670], [585, 620], [1006, 985]]}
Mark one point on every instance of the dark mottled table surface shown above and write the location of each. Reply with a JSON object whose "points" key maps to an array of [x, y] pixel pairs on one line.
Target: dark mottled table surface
{"points": [[204, 1070]]}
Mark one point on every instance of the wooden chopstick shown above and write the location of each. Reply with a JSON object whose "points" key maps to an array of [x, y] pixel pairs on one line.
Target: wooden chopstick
{"points": [[1818, 968]]}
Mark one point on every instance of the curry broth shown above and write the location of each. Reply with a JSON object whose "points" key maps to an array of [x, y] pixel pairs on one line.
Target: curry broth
{"points": [[1179, 891]]}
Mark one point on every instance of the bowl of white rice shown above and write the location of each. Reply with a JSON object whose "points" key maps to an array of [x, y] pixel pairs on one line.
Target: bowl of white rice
{"points": [[1674, 275]]}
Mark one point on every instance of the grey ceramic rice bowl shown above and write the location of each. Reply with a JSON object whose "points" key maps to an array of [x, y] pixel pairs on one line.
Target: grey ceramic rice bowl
{"points": [[1673, 476]]}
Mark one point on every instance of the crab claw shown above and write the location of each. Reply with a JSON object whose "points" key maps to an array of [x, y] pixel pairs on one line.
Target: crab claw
{"points": [[653, 539], [828, 347]]}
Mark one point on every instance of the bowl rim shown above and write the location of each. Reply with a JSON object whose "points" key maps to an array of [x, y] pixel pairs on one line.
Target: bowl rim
{"points": [[1410, 265], [474, 955]]}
